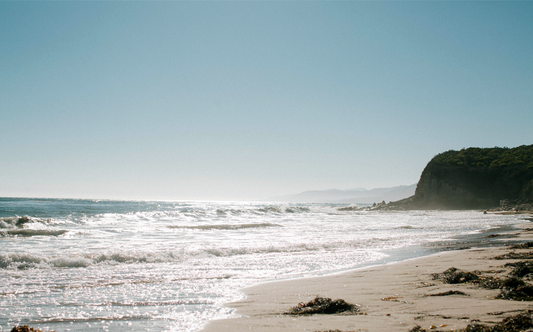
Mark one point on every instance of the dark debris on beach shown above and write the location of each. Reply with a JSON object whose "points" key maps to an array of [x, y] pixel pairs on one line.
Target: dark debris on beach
{"points": [[455, 276], [518, 323], [515, 289], [525, 245], [323, 305], [512, 288], [515, 255], [451, 292], [520, 269]]}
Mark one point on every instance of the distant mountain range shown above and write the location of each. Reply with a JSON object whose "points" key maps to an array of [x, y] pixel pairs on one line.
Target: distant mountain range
{"points": [[354, 196]]}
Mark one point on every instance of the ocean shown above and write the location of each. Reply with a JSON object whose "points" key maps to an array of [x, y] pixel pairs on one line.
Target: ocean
{"points": [[77, 265]]}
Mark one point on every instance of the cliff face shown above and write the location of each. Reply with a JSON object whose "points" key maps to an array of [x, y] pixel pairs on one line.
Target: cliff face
{"points": [[475, 178]]}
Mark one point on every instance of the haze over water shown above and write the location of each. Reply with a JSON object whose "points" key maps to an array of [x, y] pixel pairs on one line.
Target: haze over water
{"points": [[171, 266]]}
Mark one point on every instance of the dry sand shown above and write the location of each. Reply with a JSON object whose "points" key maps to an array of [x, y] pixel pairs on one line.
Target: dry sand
{"points": [[393, 297]]}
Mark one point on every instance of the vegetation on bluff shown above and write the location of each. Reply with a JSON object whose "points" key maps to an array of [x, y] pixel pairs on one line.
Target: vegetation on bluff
{"points": [[489, 159], [477, 178]]}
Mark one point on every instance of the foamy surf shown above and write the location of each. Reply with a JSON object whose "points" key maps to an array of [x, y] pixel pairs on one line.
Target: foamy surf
{"points": [[171, 266], [226, 226]]}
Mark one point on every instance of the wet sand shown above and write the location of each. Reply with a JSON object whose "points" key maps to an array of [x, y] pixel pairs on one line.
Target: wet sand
{"points": [[393, 297]]}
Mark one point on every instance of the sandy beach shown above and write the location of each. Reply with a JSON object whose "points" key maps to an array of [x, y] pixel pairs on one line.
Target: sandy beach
{"points": [[392, 297]]}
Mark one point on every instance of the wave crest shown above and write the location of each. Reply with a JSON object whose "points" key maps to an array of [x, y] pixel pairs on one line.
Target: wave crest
{"points": [[32, 232], [29, 261], [36, 261], [226, 226], [16, 221]]}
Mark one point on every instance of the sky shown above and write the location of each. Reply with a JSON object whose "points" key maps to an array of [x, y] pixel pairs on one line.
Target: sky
{"points": [[245, 100]]}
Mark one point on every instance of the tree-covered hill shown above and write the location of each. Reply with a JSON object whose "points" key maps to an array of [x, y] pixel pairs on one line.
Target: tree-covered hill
{"points": [[476, 178]]}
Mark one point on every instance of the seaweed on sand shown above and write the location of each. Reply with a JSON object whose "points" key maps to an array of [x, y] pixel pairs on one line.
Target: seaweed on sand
{"points": [[451, 292], [520, 322], [525, 245], [512, 288], [516, 289], [498, 283], [455, 276], [515, 255], [522, 293], [490, 282], [520, 269], [516, 323], [417, 329], [323, 305]]}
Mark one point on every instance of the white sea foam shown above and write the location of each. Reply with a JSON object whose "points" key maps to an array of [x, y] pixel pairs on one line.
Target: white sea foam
{"points": [[226, 226]]}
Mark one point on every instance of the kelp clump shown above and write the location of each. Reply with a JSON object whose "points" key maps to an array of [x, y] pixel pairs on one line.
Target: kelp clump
{"points": [[417, 328], [516, 289], [515, 255], [512, 288], [525, 245], [323, 305], [499, 283], [516, 323], [455, 276], [451, 292], [520, 269]]}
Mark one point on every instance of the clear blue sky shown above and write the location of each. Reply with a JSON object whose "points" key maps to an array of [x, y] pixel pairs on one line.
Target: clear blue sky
{"points": [[247, 100]]}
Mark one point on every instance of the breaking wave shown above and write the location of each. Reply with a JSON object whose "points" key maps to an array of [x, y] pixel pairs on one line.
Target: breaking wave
{"points": [[228, 226], [22, 261], [264, 210], [20, 222], [10, 222], [32, 232], [29, 261]]}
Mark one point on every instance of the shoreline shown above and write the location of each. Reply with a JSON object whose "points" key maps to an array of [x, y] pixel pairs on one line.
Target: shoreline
{"points": [[393, 296]]}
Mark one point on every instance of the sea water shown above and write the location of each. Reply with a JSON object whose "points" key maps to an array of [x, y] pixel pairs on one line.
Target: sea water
{"points": [[74, 265]]}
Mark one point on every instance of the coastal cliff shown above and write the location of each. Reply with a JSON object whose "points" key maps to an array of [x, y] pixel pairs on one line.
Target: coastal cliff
{"points": [[474, 178]]}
